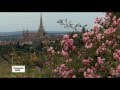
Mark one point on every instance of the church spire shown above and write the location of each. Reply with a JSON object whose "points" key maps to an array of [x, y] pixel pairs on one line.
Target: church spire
{"points": [[41, 22], [41, 30]]}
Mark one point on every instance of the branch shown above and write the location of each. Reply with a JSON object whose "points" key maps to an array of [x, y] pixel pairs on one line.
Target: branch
{"points": [[68, 24]]}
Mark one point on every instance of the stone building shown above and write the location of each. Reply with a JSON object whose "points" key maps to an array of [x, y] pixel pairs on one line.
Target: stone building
{"points": [[41, 30], [30, 36]]}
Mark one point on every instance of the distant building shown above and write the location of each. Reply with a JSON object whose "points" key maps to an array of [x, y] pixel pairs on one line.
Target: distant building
{"points": [[41, 30], [28, 37]]}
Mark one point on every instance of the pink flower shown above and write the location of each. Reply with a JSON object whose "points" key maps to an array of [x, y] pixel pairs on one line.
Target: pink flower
{"points": [[55, 70], [96, 29], [86, 75], [53, 52], [73, 76], [109, 76], [98, 76], [108, 42], [116, 55], [85, 39], [118, 71], [64, 53], [91, 33], [69, 60], [114, 23], [110, 30], [65, 72], [115, 72], [98, 20], [75, 35], [86, 34], [50, 49], [91, 73], [62, 42], [70, 42], [58, 52], [97, 52], [110, 14], [118, 52], [106, 15], [62, 65], [103, 49], [115, 45], [99, 36], [90, 45], [66, 48], [96, 65], [66, 37], [81, 70], [118, 21], [74, 48], [112, 72], [86, 62], [114, 18], [103, 37], [100, 60]]}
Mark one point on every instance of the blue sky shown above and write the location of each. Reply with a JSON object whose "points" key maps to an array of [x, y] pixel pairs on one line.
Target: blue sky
{"points": [[17, 21]]}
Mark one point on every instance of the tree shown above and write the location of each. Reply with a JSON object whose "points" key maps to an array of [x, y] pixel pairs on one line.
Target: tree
{"points": [[18, 45], [38, 45]]}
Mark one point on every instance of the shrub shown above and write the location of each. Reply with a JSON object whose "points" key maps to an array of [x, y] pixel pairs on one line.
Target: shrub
{"points": [[100, 56]]}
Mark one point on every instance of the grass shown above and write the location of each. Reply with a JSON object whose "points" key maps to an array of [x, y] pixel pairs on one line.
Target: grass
{"points": [[5, 69], [6, 72]]}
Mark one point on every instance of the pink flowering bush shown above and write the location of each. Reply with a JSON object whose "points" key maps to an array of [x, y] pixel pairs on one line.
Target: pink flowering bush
{"points": [[64, 72], [72, 43], [103, 41], [97, 57]]}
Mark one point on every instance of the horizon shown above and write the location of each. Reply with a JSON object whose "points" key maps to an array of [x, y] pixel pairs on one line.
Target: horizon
{"points": [[35, 31], [19, 21]]}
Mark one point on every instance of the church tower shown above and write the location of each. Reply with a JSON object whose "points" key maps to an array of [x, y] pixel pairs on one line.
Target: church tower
{"points": [[41, 30]]}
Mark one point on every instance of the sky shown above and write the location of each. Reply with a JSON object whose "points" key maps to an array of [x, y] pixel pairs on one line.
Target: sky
{"points": [[17, 21]]}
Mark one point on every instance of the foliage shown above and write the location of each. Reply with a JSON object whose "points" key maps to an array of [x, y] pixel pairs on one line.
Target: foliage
{"points": [[76, 27]]}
